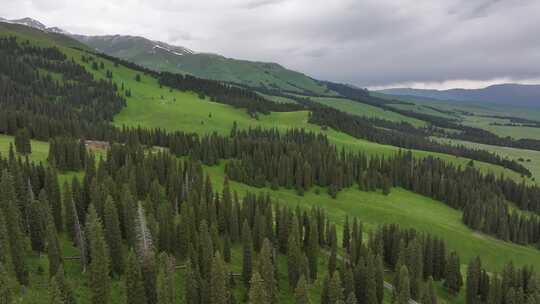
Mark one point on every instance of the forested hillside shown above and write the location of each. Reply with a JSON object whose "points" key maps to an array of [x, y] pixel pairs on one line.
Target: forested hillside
{"points": [[229, 206]]}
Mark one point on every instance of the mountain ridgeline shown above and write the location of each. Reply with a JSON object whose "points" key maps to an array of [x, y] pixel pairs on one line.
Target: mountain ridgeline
{"points": [[502, 94]]}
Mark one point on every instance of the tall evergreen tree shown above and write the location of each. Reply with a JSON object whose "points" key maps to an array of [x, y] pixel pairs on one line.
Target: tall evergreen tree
{"points": [[219, 293], [247, 254], [266, 268], [335, 290], [54, 252], [113, 235], [8, 202], [22, 142], [257, 293], [100, 281], [429, 295], [301, 293], [165, 290], [402, 292], [134, 283]]}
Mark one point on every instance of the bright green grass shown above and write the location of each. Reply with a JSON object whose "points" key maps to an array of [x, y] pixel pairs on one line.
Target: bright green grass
{"points": [[409, 210], [362, 109], [531, 158], [40, 149], [504, 131], [279, 99]]}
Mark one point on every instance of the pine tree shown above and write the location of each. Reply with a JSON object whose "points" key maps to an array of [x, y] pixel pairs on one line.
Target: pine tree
{"points": [[473, 282], [218, 281], [5, 254], [191, 284], [429, 296], [335, 290], [247, 256], [6, 286], [55, 294], [65, 288], [113, 235], [402, 292], [8, 202], [100, 282], [69, 217], [134, 284], [453, 278], [346, 235], [165, 280], [266, 268], [351, 299], [54, 252], [301, 293], [22, 142], [257, 293]]}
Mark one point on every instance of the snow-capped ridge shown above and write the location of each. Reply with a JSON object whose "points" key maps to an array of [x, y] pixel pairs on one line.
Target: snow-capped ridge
{"points": [[35, 24]]}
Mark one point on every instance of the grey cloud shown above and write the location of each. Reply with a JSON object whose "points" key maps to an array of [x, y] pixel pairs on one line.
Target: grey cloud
{"points": [[367, 43]]}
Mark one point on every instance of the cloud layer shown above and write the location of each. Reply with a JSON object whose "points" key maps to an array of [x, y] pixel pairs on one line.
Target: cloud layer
{"points": [[363, 42]]}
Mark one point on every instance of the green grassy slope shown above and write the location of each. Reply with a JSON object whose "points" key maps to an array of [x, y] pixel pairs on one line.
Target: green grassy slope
{"points": [[531, 158], [362, 109], [407, 209], [204, 65]]}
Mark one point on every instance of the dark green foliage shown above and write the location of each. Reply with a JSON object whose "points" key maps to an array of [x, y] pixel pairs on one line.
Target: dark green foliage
{"points": [[266, 268], [113, 236], [301, 293], [247, 254], [453, 279], [165, 285], [12, 216], [402, 290], [134, 284], [100, 286], [22, 142], [257, 293], [219, 293]]}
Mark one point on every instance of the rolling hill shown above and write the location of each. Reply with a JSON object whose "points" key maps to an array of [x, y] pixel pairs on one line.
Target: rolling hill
{"points": [[162, 56]]}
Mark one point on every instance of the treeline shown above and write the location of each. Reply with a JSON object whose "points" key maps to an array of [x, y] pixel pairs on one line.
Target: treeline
{"points": [[67, 154], [142, 216], [400, 134], [225, 93], [31, 99], [512, 285]]}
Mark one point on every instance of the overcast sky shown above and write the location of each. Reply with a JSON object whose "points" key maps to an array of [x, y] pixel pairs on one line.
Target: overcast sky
{"points": [[370, 43]]}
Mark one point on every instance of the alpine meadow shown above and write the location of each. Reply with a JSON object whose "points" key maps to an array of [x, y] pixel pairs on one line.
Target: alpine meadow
{"points": [[138, 171]]}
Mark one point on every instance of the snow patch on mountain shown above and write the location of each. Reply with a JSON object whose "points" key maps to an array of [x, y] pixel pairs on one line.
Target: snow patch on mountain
{"points": [[35, 24]]}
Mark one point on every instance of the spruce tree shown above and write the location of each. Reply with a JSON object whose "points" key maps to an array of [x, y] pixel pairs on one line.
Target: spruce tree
{"points": [[69, 217], [429, 295], [402, 294], [351, 299], [165, 291], [453, 279], [247, 254], [335, 290], [191, 284], [6, 286], [65, 287], [218, 281], [265, 268], [257, 293], [113, 236], [301, 293], [5, 254], [55, 294], [22, 142], [12, 217], [473, 282], [100, 282], [54, 252], [134, 283]]}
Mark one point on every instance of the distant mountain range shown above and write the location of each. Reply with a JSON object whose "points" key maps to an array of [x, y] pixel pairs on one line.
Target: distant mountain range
{"points": [[502, 94], [162, 56]]}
